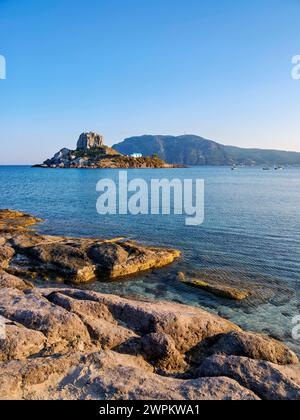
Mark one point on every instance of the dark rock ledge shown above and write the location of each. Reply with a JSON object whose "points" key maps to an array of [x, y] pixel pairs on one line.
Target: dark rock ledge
{"points": [[65, 343], [29, 255]]}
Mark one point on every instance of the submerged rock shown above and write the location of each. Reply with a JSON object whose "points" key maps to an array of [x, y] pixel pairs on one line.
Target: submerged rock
{"points": [[217, 289]]}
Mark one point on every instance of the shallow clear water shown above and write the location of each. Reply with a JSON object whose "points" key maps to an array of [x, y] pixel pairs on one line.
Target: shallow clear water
{"points": [[251, 235]]}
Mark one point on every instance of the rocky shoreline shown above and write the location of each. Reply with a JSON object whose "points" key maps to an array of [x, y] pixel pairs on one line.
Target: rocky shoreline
{"points": [[61, 342]]}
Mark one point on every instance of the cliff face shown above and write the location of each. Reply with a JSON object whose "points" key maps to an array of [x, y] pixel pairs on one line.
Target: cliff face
{"points": [[89, 141], [194, 150], [91, 153]]}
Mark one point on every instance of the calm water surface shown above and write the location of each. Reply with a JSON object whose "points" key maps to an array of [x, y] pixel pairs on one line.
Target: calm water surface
{"points": [[251, 235]]}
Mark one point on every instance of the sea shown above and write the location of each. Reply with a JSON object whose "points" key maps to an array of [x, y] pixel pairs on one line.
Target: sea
{"points": [[250, 236]]}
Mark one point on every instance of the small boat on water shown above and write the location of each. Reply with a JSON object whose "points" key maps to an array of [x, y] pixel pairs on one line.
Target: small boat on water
{"points": [[266, 168]]}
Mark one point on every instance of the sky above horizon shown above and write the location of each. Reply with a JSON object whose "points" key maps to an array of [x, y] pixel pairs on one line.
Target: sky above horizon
{"points": [[220, 69]]}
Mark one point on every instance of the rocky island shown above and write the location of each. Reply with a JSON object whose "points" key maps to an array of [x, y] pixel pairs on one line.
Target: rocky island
{"points": [[92, 153], [64, 342]]}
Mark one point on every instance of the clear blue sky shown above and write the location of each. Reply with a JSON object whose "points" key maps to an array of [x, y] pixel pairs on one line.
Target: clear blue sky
{"points": [[217, 68]]}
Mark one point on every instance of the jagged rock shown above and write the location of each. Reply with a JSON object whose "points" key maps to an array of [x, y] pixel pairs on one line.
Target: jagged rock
{"points": [[117, 260], [163, 332], [19, 342], [63, 329], [13, 282], [76, 263], [107, 376], [102, 327], [263, 378], [256, 347], [6, 254], [63, 154], [77, 260], [90, 141], [160, 349], [11, 214], [186, 325], [92, 153], [67, 260]]}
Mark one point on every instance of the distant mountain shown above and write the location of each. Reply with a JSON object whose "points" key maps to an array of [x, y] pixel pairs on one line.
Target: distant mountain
{"points": [[195, 150]]}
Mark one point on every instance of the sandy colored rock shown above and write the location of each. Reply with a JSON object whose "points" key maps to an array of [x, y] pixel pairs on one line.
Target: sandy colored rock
{"points": [[6, 254], [107, 376], [64, 330], [103, 329], [186, 325], [263, 378], [13, 282], [67, 260], [72, 260], [256, 347], [160, 349], [20, 343], [11, 220]]}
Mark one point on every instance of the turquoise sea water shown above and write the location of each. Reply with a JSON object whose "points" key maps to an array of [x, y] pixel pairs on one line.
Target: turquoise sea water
{"points": [[251, 235]]}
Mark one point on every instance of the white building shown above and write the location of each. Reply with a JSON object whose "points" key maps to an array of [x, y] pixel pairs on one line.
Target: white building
{"points": [[136, 155]]}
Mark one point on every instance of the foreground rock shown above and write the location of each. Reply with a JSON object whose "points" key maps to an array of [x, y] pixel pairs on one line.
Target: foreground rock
{"points": [[64, 330], [263, 378], [254, 346], [107, 376], [19, 342], [8, 281], [31, 256], [73, 344]]}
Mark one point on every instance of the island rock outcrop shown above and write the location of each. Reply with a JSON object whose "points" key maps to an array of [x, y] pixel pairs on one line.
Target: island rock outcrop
{"points": [[90, 141], [92, 153]]}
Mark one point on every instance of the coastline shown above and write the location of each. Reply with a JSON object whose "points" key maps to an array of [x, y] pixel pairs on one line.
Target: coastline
{"points": [[161, 350]]}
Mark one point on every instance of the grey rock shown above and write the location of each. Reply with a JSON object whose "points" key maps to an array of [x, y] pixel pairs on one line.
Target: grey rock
{"points": [[256, 347], [90, 141], [64, 330], [161, 350], [12, 282], [186, 325], [263, 378], [19, 342], [105, 332], [107, 376]]}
